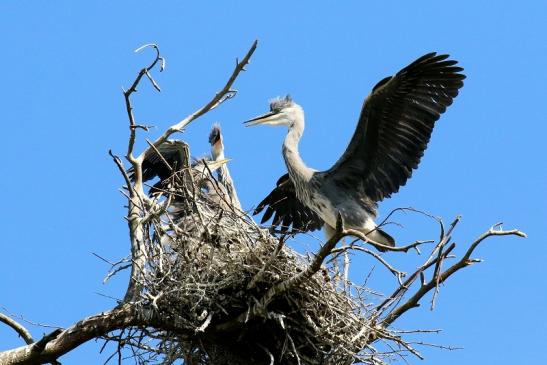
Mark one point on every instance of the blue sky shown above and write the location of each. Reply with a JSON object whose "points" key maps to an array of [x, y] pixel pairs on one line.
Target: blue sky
{"points": [[63, 65]]}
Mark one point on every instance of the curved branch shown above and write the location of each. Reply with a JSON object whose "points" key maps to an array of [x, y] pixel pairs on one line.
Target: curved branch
{"points": [[133, 126], [17, 327]]}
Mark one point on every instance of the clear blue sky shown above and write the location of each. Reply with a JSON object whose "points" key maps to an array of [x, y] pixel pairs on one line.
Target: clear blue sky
{"points": [[63, 65]]}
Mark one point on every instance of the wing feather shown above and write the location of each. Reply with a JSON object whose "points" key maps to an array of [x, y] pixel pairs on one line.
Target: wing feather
{"points": [[154, 165], [287, 210], [171, 151], [395, 126]]}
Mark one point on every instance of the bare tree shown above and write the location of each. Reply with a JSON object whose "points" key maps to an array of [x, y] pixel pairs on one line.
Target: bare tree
{"points": [[209, 286]]}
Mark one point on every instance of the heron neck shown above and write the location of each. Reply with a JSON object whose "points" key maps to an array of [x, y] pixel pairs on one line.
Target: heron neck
{"points": [[295, 165], [224, 176], [218, 154]]}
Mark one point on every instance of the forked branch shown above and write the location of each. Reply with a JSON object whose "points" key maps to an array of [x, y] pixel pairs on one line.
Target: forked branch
{"points": [[220, 97], [440, 276]]}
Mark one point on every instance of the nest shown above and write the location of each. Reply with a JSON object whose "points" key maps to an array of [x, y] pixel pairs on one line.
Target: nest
{"points": [[207, 267]]}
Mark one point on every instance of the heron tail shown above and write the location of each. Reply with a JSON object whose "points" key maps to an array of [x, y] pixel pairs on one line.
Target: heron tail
{"points": [[381, 237]]}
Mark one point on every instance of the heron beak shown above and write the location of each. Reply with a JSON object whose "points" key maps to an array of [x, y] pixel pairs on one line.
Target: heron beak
{"points": [[211, 166], [262, 119], [215, 165]]}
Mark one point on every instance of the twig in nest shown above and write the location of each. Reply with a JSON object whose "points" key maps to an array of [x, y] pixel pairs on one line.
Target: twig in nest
{"points": [[260, 273]]}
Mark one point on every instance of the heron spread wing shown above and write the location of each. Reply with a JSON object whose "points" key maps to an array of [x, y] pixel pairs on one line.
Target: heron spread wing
{"points": [[287, 210], [395, 125]]}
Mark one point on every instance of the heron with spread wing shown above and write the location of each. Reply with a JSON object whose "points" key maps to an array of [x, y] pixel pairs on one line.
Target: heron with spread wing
{"points": [[392, 133]]}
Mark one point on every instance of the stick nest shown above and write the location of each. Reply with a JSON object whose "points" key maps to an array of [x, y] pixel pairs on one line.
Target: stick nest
{"points": [[208, 265]]}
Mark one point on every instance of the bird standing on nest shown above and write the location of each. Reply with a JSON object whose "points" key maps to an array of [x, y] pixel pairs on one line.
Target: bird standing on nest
{"points": [[394, 127]]}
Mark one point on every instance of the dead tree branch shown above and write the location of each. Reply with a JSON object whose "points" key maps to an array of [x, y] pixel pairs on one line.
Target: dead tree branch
{"points": [[59, 342], [440, 277], [136, 194], [17, 327], [220, 97]]}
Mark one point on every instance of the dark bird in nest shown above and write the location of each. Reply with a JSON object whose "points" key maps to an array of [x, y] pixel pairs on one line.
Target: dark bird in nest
{"points": [[167, 163], [170, 160], [392, 133]]}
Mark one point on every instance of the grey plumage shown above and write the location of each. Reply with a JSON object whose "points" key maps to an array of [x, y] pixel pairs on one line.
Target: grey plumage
{"points": [[394, 127], [223, 174], [277, 104]]}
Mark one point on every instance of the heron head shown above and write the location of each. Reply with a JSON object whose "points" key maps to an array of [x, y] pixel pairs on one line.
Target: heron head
{"points": [[215, 139], [283, 111], [215, 135]]}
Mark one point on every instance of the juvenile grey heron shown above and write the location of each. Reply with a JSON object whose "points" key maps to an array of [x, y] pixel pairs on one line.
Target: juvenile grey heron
{"points": [[394, 127], [217, 153]]}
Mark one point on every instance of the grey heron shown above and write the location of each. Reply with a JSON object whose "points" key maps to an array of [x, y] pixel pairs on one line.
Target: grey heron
{"points": [[224, 178], [392, 133]]}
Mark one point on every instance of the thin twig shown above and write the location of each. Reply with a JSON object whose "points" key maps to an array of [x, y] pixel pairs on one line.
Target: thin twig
{"points": [[260, 273], [224, 94], [127, 96], [465, 261], [382, 247], [123, 171], [394, 271]]}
